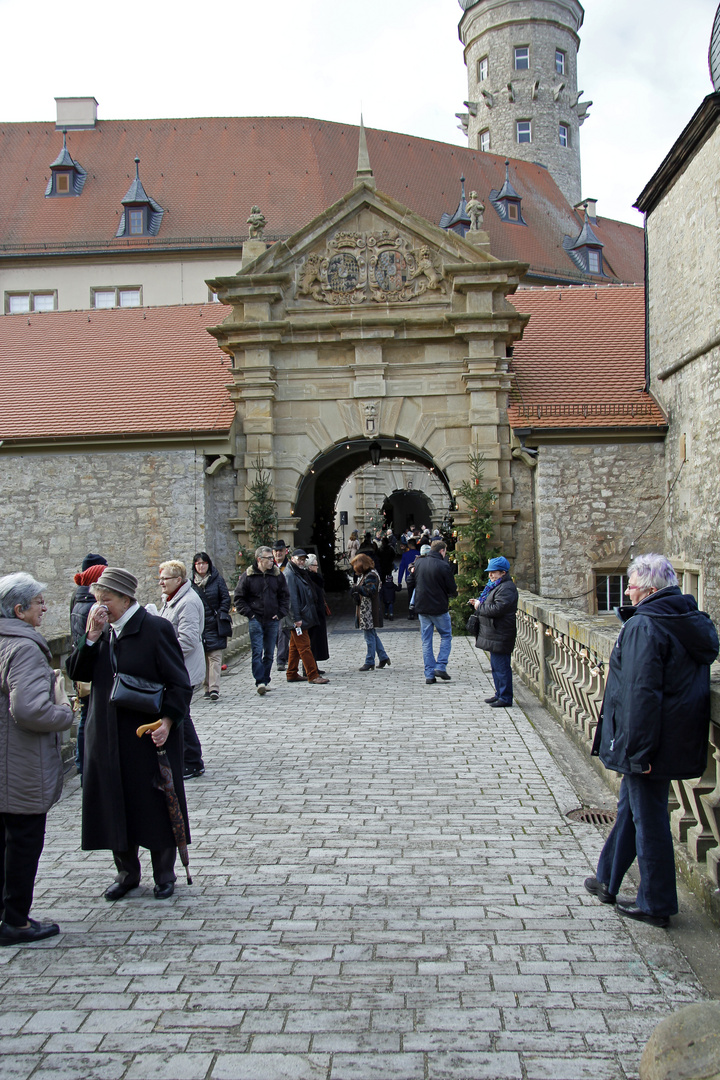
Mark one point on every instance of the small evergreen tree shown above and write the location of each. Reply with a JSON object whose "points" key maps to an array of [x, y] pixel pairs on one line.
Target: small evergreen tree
{"points": [[474, 541], [261, 511]]}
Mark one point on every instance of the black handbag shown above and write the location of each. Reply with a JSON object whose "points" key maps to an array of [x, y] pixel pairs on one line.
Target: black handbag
{"points": [[133, 692], [472, 626]]}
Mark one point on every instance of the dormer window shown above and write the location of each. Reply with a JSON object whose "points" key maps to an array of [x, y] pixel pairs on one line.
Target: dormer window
{"points": [[66, 176], [141, 215], [586, 250], [507, 202]]}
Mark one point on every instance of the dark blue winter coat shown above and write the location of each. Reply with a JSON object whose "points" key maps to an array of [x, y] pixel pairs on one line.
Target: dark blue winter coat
{"points": [[656, 708]]}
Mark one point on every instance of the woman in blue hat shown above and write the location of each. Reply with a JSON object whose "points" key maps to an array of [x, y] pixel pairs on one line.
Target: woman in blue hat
{"points": [[496, 607]]}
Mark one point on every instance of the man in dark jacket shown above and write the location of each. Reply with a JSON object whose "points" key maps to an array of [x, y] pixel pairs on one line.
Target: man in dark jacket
{"points": [[653, 728], [434, 585], [496, 607], [281, 557], [301, 617], [261, 595]]}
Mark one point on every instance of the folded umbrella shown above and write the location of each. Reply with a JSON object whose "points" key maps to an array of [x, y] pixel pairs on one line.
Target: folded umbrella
{"points": [[164, 782]]}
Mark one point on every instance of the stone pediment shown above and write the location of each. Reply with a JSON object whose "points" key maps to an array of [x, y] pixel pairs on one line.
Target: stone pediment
{"points": [[366, 250]]}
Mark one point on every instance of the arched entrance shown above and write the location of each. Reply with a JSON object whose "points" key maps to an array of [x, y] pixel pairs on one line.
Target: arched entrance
{"points": [[403, 509], [319, 487]]}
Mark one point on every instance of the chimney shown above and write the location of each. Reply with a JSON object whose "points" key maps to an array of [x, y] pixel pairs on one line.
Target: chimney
{"points": [[591, 206], [75, 112]]}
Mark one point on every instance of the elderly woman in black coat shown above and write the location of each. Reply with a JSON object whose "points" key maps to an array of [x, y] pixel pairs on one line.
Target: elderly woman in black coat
{"points": [[210, 586], [122, 809]]}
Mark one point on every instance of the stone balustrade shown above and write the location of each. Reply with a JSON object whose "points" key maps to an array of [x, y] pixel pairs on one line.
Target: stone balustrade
{"points": [[562, 656]]}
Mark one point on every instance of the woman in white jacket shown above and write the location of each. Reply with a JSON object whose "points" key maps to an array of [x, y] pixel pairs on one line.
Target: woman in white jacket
{"points": [[184, 609], [34, 709]]}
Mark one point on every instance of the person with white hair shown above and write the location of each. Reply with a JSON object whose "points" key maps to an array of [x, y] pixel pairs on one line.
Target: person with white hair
{"points": [[653, 728], [34, 710]]}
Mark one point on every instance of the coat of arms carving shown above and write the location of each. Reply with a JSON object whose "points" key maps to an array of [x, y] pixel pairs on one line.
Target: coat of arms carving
{"points": [[379, 266]]}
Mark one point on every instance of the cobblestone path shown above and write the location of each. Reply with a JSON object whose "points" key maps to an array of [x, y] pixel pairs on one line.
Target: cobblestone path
{"points": [[386, 888]]}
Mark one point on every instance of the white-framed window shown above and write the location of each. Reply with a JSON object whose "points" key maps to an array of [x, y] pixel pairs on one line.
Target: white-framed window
{"points": [[484, 141], [17, 303], [111, 297], [560, 61], [564, 134], [609, 591], [524, 131], [482, 69], [522, 57], [594, 261]]}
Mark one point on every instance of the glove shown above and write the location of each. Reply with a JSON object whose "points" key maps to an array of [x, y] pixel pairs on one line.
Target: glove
{"points": [[59, 691]]}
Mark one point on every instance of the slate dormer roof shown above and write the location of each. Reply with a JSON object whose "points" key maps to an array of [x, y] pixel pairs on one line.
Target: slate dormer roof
{"points": [[137, 196], [578, 249], [64, 163], [506, 197], [459, 222]]}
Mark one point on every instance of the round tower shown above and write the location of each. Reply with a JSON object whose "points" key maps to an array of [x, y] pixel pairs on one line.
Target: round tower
{"points": [[523, 102]]}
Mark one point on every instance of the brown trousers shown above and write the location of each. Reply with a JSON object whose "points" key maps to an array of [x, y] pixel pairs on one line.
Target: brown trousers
{"points": [[300, 650]]}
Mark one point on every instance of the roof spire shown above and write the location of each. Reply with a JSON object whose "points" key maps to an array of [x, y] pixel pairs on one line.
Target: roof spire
{"points": [[364, 174]]}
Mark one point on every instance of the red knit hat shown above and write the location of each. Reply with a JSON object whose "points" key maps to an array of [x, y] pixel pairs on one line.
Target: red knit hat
{"points": [[89, 576]]}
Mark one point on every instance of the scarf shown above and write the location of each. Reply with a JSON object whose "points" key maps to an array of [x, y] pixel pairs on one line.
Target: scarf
{"points": [[488, 589], [201, 582]]}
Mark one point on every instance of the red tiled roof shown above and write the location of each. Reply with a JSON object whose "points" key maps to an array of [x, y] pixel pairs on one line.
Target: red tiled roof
{"points": [[206, 173], [126, 371], [581, 362]]}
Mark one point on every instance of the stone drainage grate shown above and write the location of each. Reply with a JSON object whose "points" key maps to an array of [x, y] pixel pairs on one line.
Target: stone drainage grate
{"points": [[590, 815]]}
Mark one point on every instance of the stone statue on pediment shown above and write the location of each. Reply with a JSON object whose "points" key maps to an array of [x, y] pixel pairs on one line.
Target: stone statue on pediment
{"points": [[476, 212], [257, 223]]}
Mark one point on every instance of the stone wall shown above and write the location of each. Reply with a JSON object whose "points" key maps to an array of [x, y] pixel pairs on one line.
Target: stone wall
{"points": [[135, 507], [591, 502], [684, 318]]}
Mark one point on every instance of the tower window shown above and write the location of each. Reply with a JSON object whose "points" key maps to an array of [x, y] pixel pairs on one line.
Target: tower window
{"points": [[522, 57], [524, 131], [564, 133], [560, 61], [485, 141], [482, 69]]}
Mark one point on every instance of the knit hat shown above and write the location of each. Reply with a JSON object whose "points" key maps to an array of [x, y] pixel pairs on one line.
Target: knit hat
{"points": [[93, 560], [119, 580], [500, 563], [89, 576]]}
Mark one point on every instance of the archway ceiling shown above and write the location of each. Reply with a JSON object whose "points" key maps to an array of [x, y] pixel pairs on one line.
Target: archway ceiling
{"points": [[335, 466]]}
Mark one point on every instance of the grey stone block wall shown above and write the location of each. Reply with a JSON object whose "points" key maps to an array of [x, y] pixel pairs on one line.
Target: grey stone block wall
{"points": [[591, 502], [493, 29], [135, 507]]}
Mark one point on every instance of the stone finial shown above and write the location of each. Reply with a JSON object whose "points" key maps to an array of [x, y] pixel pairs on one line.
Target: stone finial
{"points": [[364, 174], [685, 1044], [257, 223], [476, 211]]}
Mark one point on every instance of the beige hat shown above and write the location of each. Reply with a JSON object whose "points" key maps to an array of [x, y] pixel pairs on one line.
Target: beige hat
{"points": [[119, 580]]}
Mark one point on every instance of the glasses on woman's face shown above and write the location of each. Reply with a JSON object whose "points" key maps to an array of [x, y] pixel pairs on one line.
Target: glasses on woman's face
{"points": [[164, 580]]}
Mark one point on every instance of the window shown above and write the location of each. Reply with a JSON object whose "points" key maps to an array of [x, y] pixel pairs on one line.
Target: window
{"points": [[522, 57], [512, 211], [524, 131], [482, 69], [22, 303], [62, 183], [213, 297], [485, 141], [610, 591], [564, 133], [594, 261], [117, 297], [136, 222], [560, 61]]}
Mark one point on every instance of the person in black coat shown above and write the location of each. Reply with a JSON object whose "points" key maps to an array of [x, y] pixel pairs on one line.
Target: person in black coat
{"points": [[434, 584], [318, 632], [261, 595], [210, 586], [496, 607], [653, 728], [122, 809]]}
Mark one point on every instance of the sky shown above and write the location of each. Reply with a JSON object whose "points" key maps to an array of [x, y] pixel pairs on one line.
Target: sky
{"points": [[642, 62]]}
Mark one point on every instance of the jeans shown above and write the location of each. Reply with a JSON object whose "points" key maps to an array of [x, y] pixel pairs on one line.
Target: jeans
{"points": [[373, 645], [263, 638], [642, 830], [22, 837], [501, 668], [441, 623]]}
